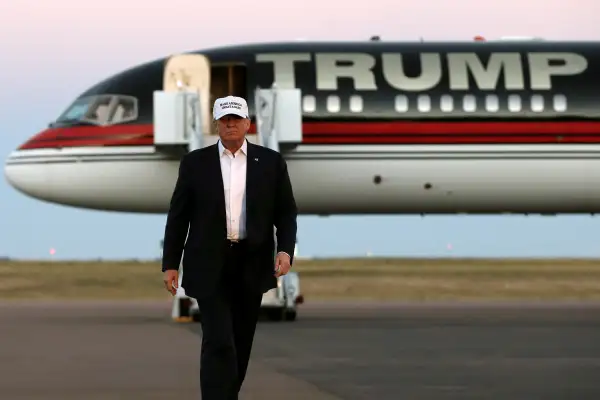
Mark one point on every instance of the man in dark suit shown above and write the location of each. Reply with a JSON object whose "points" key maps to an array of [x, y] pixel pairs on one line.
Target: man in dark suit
{"points": [[230, 195]]}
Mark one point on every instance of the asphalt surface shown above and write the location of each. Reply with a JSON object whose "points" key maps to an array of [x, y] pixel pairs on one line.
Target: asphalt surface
{"points": [[333, 351]]}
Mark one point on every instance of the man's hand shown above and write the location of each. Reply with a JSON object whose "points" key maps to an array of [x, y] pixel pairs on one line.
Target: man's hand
{"points": [[171, 280], [282, 264]]}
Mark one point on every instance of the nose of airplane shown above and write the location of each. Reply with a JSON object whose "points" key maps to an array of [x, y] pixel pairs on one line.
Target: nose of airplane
{"points": [[104, 171], [7, 172], [25, 168], [24, 176]]}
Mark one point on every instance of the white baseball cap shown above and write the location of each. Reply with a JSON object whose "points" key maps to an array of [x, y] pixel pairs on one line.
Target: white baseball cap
{"points": [[230, 105]]}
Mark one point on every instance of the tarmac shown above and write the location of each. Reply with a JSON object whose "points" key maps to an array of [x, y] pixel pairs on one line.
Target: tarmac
{"points": [[111, 350]]}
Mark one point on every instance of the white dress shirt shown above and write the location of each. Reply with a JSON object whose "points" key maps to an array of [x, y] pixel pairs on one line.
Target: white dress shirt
{"points": [[233, 169]]}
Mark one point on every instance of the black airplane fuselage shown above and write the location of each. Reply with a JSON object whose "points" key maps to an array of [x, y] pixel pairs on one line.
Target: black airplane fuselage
{"points": [[386, 92]]}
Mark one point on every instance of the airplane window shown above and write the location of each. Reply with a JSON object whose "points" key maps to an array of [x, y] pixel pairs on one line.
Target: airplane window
{"points": [[333, 104], [514, 103], [99, 112], [401, 103], [469, 103], [446, 103], [356, 103], [125, 110], [424, 103], [309, 104], [560, 103], [77, 110], [537, 103], [102, 110], [491, 103]]}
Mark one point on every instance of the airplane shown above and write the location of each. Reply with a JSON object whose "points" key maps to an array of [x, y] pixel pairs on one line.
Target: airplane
{"points": [[465, 127], [387, 128]]}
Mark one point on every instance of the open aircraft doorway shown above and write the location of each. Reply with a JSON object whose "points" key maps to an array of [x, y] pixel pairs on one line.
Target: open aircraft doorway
{"points": [[191, 72]]}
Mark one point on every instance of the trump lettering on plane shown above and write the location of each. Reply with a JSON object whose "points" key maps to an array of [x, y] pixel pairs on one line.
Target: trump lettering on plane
{"points": [[360, 68]]}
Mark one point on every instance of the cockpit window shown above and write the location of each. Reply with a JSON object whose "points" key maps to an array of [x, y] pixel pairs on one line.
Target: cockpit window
{"points": [[102, 110], [125, 110], [76, 111]]}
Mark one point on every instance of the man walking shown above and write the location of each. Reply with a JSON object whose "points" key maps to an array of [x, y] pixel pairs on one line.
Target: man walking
{"points": [[230, 195]]}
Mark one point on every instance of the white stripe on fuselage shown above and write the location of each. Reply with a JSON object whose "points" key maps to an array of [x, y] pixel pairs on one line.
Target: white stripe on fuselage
{"points": [[337, 179], [332, 152], [85, 154]]}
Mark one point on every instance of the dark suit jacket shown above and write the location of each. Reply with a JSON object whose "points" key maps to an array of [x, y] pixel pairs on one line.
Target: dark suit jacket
{"points": [[198, 202]]}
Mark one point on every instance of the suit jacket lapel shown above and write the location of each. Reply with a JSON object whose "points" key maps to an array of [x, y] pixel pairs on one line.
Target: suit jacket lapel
{"points": [[252, 174], [217, 184]]}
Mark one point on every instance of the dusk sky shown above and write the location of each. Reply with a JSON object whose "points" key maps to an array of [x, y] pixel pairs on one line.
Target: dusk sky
{"points": [[53, 50]]}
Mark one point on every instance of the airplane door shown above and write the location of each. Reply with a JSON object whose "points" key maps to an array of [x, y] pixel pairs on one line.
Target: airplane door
{"points": [[190, 72]]}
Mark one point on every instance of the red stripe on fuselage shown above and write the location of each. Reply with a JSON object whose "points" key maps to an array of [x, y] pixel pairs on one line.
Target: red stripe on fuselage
{"points": [[393, 132], [91, 136]]}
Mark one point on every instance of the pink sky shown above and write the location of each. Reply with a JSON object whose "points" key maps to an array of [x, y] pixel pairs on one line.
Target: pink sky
{"points": [[60, 47], [128, 30]]}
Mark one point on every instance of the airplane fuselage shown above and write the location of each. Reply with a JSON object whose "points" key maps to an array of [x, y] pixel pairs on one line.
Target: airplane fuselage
{"points": [[411, 128]]}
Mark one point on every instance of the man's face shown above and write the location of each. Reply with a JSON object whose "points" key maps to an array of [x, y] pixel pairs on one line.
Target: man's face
{"points": [[233, 127]]}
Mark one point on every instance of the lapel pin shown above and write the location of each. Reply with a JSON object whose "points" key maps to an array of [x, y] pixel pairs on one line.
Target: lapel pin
{"points": [[256, 159]]}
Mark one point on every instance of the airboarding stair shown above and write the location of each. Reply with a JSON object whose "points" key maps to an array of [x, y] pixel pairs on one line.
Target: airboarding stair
{"points": [[278, 117], [177, 121]]}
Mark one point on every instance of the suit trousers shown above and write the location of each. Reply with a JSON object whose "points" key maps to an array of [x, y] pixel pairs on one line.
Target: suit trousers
{"points": [[228, 318]]}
